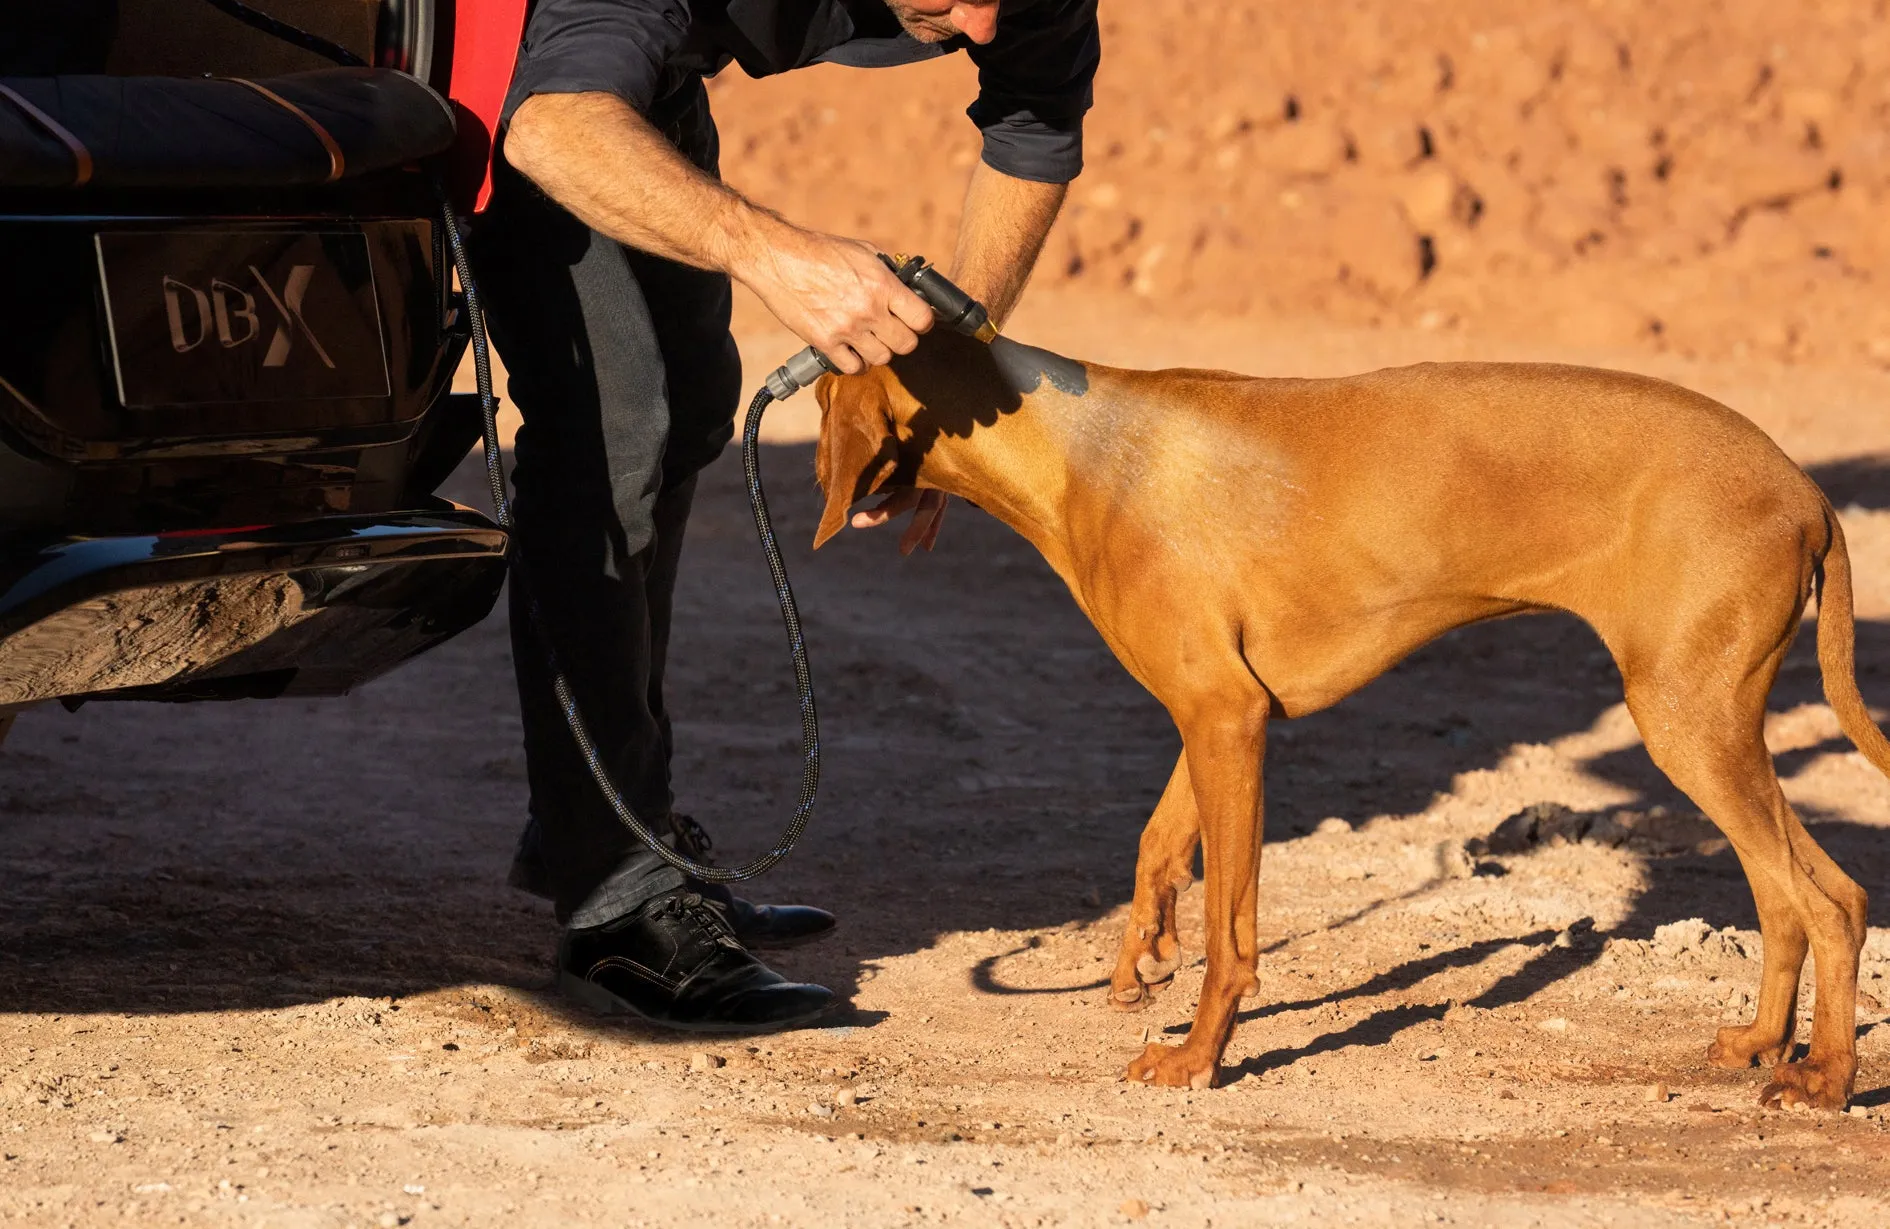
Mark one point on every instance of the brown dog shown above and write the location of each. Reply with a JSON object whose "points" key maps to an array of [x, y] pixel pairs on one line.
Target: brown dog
{"points": [[1260, 548]]}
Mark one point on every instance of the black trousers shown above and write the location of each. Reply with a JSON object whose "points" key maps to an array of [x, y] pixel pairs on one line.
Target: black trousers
{"points": [[627, 379]]}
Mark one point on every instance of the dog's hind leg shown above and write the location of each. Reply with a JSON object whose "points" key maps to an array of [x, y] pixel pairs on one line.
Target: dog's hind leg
{"points": [[1701, 712], [1151, 943], [1224, 744]]}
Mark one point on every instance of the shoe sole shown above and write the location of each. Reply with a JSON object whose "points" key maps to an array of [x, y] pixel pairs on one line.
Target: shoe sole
{"points": [[593, 997]]}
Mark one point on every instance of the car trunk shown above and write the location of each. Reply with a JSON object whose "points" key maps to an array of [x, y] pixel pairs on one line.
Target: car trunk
{"points": [[226, 343]]}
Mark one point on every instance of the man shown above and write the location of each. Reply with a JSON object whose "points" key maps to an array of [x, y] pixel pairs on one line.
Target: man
{"points": [[606, 261]]}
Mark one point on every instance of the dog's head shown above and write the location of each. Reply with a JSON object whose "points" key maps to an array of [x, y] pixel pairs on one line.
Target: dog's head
{"points": [[880, 429], [858, 453]]}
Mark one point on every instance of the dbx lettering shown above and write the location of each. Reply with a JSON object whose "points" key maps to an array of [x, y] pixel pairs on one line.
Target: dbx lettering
{"points": [[229, 313]]}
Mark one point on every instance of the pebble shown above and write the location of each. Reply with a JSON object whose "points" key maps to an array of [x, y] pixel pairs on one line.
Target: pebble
{"points": [[820, 1111], [1554, 1024], [702, 1060], [1659, 1093], [1134, 1209], [846, 1096], [106, 1137]]}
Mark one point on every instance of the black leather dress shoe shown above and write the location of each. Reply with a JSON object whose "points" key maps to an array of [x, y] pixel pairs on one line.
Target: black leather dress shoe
{"points": [[675, 962], [764, 927]]}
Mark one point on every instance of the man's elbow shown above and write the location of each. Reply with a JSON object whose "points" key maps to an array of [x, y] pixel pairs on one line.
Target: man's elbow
{"points": [[530, 137]]}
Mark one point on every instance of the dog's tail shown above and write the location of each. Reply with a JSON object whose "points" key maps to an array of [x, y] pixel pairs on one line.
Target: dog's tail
{"points": [[1837, 650]]}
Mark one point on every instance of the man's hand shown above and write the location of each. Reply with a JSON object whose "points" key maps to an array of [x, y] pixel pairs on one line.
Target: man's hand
{"points": [[835, 294], [928, 513]]}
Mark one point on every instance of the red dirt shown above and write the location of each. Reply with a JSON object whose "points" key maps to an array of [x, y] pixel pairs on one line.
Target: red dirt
{"points": [[1615, 174]]}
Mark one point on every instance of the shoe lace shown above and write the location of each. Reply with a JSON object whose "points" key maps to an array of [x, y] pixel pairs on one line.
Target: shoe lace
{"points": [[690, 906]]}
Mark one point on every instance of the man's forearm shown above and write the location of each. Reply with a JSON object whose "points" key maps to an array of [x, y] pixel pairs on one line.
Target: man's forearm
{"points": [[1002, 233], [593, 154]]}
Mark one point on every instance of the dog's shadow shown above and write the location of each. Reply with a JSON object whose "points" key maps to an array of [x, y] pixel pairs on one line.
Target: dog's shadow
{"points": [[989, 766]]}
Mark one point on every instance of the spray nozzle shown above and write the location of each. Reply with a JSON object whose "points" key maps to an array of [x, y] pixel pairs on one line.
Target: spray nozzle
{"points": [[953, 308]]}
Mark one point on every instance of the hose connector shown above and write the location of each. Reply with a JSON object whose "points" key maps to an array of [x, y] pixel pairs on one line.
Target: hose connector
{"points": [[797, 373]]}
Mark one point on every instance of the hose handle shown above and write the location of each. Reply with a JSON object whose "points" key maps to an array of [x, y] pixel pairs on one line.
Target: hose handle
{"points": [[954, 309]]}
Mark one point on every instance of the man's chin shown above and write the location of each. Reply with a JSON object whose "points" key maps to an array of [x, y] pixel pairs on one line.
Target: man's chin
{"points": [[921, 28]]}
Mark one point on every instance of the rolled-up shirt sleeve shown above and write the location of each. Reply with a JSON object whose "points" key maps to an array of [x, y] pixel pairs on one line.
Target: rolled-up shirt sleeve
{"points": [[598, 46], [1034, 87]]}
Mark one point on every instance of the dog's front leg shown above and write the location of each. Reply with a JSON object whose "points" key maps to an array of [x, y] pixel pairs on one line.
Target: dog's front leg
{"points": [[1151, 943], [1223, 748]]}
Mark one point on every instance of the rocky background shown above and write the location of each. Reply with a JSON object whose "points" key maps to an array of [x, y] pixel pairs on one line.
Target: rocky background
{"points": [[1709, 179]]}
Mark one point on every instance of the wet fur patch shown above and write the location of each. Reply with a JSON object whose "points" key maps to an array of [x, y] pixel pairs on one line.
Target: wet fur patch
{"points": [[1025, 368]]}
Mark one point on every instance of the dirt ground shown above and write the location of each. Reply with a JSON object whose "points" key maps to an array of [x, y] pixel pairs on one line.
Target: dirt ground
{"points": [[258, 964]]}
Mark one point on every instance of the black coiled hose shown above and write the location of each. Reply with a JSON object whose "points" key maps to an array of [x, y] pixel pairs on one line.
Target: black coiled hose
{"points": [[560, 685]]}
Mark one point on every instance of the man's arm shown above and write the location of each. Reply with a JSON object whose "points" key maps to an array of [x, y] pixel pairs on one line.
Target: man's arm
{"points": [[1000, 236], [593, 154]]}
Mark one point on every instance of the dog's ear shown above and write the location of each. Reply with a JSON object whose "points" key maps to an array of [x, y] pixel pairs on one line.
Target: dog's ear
{"points": [[857, 451]]}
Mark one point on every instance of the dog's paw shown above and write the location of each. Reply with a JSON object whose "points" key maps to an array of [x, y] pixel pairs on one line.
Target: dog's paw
{"points": [[1173, 1067], [1809, 1085], [1133, 997], [1152, 970], [1143, 967], [1740, 1046]]}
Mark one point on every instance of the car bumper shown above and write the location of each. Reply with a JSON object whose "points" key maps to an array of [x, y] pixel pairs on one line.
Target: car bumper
{"points": [[310, 608]]}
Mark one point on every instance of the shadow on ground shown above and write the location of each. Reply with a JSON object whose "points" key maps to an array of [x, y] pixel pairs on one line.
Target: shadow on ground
{"points": [[988, 765]]}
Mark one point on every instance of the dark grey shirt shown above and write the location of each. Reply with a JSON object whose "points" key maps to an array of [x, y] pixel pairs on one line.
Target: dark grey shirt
{"points": [[1033, 78]]}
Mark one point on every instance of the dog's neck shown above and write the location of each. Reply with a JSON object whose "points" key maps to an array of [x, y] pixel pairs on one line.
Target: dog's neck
{"points": [[992, 424]]}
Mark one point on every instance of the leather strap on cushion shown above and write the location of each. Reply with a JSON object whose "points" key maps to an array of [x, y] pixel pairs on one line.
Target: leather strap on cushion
{"points": [[81, 156], [337, 163]]}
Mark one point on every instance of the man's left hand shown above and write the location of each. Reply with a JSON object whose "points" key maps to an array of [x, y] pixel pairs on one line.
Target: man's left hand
{"points": [[928, 513]]}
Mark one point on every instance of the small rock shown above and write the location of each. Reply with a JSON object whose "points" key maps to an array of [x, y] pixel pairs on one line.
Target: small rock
{"points": [[388, 1220], [1554, 1024], [1454, 861], [451, 1045], [820, 1111], [702, 1060], [1135, 1209], [1858, 1111], [1660, 1094], [106, 1137], [1330, 825], [846, 1096]]}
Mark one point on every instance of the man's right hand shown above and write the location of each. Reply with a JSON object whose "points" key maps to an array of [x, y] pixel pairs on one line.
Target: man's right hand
{"points": [[834, 293]]}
